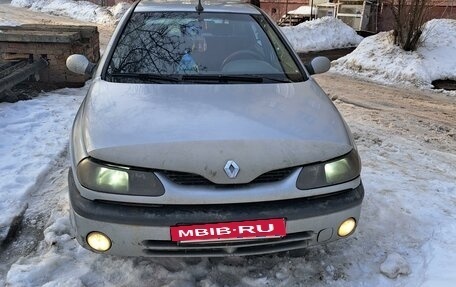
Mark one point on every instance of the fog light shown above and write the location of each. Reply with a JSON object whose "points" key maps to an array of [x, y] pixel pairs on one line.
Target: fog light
{"points": [[98, 241], [347, 227]]}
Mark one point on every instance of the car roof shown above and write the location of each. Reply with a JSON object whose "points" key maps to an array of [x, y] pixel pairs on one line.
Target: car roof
{"points": [[233, 6]]}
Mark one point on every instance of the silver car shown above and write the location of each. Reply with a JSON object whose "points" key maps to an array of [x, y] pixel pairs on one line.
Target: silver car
{"points": [[202, 134]]}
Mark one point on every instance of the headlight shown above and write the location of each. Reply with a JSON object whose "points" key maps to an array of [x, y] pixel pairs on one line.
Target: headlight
{"points": [[347, 227], [99, 241], [333, 172], [116, 179]]}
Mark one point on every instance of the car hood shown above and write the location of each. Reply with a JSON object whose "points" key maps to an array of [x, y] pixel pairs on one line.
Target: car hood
{"points": [[197, 128]]}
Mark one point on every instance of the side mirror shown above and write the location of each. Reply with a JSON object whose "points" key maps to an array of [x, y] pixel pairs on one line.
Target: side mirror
{"points": [[79, 64], [318, 65]]}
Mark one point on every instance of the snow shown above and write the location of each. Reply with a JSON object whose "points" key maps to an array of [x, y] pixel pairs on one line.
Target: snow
{"points": [[378, 59], [80, 10], [6, 22], [408, 211], [394, 266], [302, 10], [119, 9], [321, 34], [33, 134]]}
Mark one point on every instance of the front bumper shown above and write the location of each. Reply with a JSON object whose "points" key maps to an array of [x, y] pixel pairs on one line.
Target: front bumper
{"points": [[137, 230]]}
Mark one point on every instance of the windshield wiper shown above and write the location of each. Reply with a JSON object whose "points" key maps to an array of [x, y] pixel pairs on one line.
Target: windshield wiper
{"points": [[157, 78], [278, 80], [235, 78], [146, 77], [223, 78]]}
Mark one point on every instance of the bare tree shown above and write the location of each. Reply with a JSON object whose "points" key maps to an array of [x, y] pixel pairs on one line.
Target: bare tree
{"points": [[150, 45], [409, 17]]}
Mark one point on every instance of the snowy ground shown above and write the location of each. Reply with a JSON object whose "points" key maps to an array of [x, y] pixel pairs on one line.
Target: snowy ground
{"points": [[7, 22], [34, 133], [378, 59], [321, 34], [408, 213], [407, 141], [14, 16], [80, 10]]}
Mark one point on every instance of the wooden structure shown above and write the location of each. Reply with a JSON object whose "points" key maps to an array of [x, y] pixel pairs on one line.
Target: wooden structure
{"points": [[13, 73], [40, 46]]}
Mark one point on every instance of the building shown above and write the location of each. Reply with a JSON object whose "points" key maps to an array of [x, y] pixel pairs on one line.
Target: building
{"points": [[381, 18]]}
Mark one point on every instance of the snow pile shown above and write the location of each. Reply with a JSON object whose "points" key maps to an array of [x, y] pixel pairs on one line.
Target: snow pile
{"points": [[321, 34], [302, 10], [119, 10], [6, 22], [80, 10], [378, 59], [394, 266], [33, 134]]}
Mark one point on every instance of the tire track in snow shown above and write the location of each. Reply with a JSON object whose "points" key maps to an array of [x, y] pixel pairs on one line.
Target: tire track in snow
{"points": [[28, 231]]}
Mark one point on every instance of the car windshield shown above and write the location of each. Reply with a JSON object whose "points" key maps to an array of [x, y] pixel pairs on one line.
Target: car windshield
{"points": [[176, 47]]}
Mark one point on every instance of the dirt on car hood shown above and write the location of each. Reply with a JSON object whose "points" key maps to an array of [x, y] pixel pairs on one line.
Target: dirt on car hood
{"points": [[197, 128]]}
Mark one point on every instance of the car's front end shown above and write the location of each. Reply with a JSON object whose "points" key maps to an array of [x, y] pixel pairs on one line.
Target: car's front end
{"points": [[195, 158]]}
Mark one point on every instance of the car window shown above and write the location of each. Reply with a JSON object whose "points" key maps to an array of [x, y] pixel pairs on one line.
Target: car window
{"points": [[286, 60], [219, 47]]}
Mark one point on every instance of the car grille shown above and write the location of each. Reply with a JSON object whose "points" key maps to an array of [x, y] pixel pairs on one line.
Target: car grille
{"points": [[240, 248], [185, 178]]}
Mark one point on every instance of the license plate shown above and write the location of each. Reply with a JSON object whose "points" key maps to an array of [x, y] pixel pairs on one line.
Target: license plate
{"points": [[237, 230]]}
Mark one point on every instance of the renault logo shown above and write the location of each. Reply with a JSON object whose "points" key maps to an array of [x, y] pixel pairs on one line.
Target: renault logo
{"points": [[231, 169]]}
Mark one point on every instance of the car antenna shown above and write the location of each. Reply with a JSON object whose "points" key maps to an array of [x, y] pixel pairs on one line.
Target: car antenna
{"points": [[199, 8]]}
